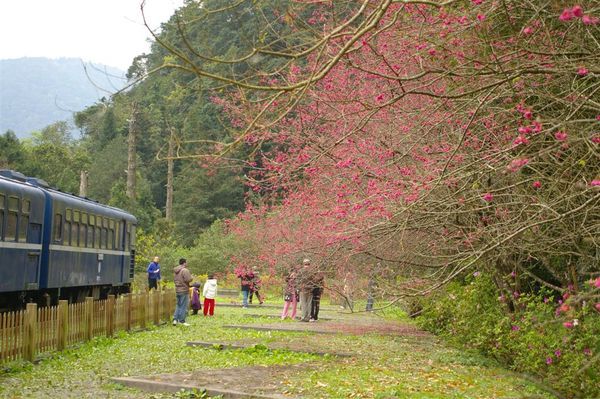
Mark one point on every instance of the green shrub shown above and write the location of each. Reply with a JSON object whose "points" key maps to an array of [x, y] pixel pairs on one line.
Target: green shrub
{"points": [[530, 339]]}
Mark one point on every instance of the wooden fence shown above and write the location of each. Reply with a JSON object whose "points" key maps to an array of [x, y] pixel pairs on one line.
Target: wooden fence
{"points": [[27, 333]]}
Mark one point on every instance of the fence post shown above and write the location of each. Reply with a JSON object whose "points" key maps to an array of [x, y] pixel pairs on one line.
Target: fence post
{"points": [[31, 328], [156, 303], [110, 315], [89, 318], [143, 304], [128, 305], [63, 323]]}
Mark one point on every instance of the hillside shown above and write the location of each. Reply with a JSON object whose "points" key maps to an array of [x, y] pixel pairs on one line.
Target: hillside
{"points": [[35, 92]]}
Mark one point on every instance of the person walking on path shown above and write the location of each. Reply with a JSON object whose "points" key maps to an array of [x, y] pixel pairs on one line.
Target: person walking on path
{"points": [[317, 291], [305, 286], [153, 273], [182, 280], [210, 293], [290, 295], [246, 283], [195, 303], [255, 287]]}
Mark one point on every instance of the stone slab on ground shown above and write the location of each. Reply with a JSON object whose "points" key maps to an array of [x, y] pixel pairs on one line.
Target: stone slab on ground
{"points": [[279, 327], [232, 383], [270, 346], [339, 327], [276, 316], [251, 306]]}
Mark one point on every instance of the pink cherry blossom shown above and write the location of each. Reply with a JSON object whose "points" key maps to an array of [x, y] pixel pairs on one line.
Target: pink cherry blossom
{"points": [[537, 184], [582, 71], [527, 114], [577, 11], [560, 136], [588, 20], [568, 324], [477, 2], [488, 197], [548, 360], [595, 183], [527, 30], [481, 17], [596, 283], [566, 15], [521, 140], [597, 306], [557, 353], [596, 139]]}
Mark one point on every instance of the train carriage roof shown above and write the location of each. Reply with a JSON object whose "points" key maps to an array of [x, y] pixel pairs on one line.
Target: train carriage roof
{"points": [[88, 205], [36, 187]]}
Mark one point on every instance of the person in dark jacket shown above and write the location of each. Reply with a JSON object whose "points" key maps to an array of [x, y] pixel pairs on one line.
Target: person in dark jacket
{"points": [[153, 273], [317, 291], [182, 280], [195, 303]]}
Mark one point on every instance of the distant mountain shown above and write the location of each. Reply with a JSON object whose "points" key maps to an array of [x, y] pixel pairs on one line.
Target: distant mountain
{"points": [[36, 92]]}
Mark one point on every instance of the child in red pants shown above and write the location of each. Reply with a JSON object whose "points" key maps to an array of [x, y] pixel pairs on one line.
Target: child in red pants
{"points": [[210, 293]]}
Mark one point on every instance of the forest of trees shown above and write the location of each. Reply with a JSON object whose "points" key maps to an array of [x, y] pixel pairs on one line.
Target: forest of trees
{"points": [[444, 150]]}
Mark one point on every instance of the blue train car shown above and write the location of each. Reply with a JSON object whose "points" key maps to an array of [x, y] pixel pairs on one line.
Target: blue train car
{"points": [[55, 245]]}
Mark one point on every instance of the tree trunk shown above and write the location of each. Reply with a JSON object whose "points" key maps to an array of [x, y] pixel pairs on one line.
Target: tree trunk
{"points": [[131, 141], [83, 183], [169, 205]]}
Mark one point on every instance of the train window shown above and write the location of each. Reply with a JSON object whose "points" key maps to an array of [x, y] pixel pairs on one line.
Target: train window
{"points": [[105, 223], [82, 234], [68, 215], [13, 204], [24, 220], [84, 218], [76, 216], [118, 235], [11, 227], [23, 225], [74, 234], [97, 238], [58, 228], [2, 198], [104, 238], [92, 220], [127, 237], [111, 239], [132, 239], [67, 235], [90, 237]]}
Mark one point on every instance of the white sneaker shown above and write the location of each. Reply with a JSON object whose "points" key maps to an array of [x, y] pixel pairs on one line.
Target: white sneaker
{"points": [[174, 322], [185, 324]]}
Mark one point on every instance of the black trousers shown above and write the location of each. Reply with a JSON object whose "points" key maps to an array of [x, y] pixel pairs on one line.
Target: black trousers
{"points": [[316, 302]]}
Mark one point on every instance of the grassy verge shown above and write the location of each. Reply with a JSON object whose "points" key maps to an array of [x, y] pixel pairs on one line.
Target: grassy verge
{"points": [[384, 366]]}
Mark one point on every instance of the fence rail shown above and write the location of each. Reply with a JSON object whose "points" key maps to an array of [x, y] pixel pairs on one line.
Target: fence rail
{"points": [[26, 333]]}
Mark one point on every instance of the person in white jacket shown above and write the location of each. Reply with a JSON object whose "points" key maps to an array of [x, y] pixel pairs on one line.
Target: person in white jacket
{"points": [[210, 293]]}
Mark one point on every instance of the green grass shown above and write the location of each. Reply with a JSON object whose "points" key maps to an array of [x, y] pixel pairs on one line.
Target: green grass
{"points": [[385, 366]]}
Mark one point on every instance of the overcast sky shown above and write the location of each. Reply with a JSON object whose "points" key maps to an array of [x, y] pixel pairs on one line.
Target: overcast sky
{"points": [[107, 32]]}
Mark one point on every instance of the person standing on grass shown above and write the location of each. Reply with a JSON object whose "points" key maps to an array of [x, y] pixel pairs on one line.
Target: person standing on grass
{"points": [[305, 286], [246, 282], [153, 271], [195, 303], [210, 293], [254, 287], [290, 295], [182, 280], [317, 291]]}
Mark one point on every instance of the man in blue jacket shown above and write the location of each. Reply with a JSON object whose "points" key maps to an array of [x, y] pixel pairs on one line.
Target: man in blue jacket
{"points": [[153, 273]]}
